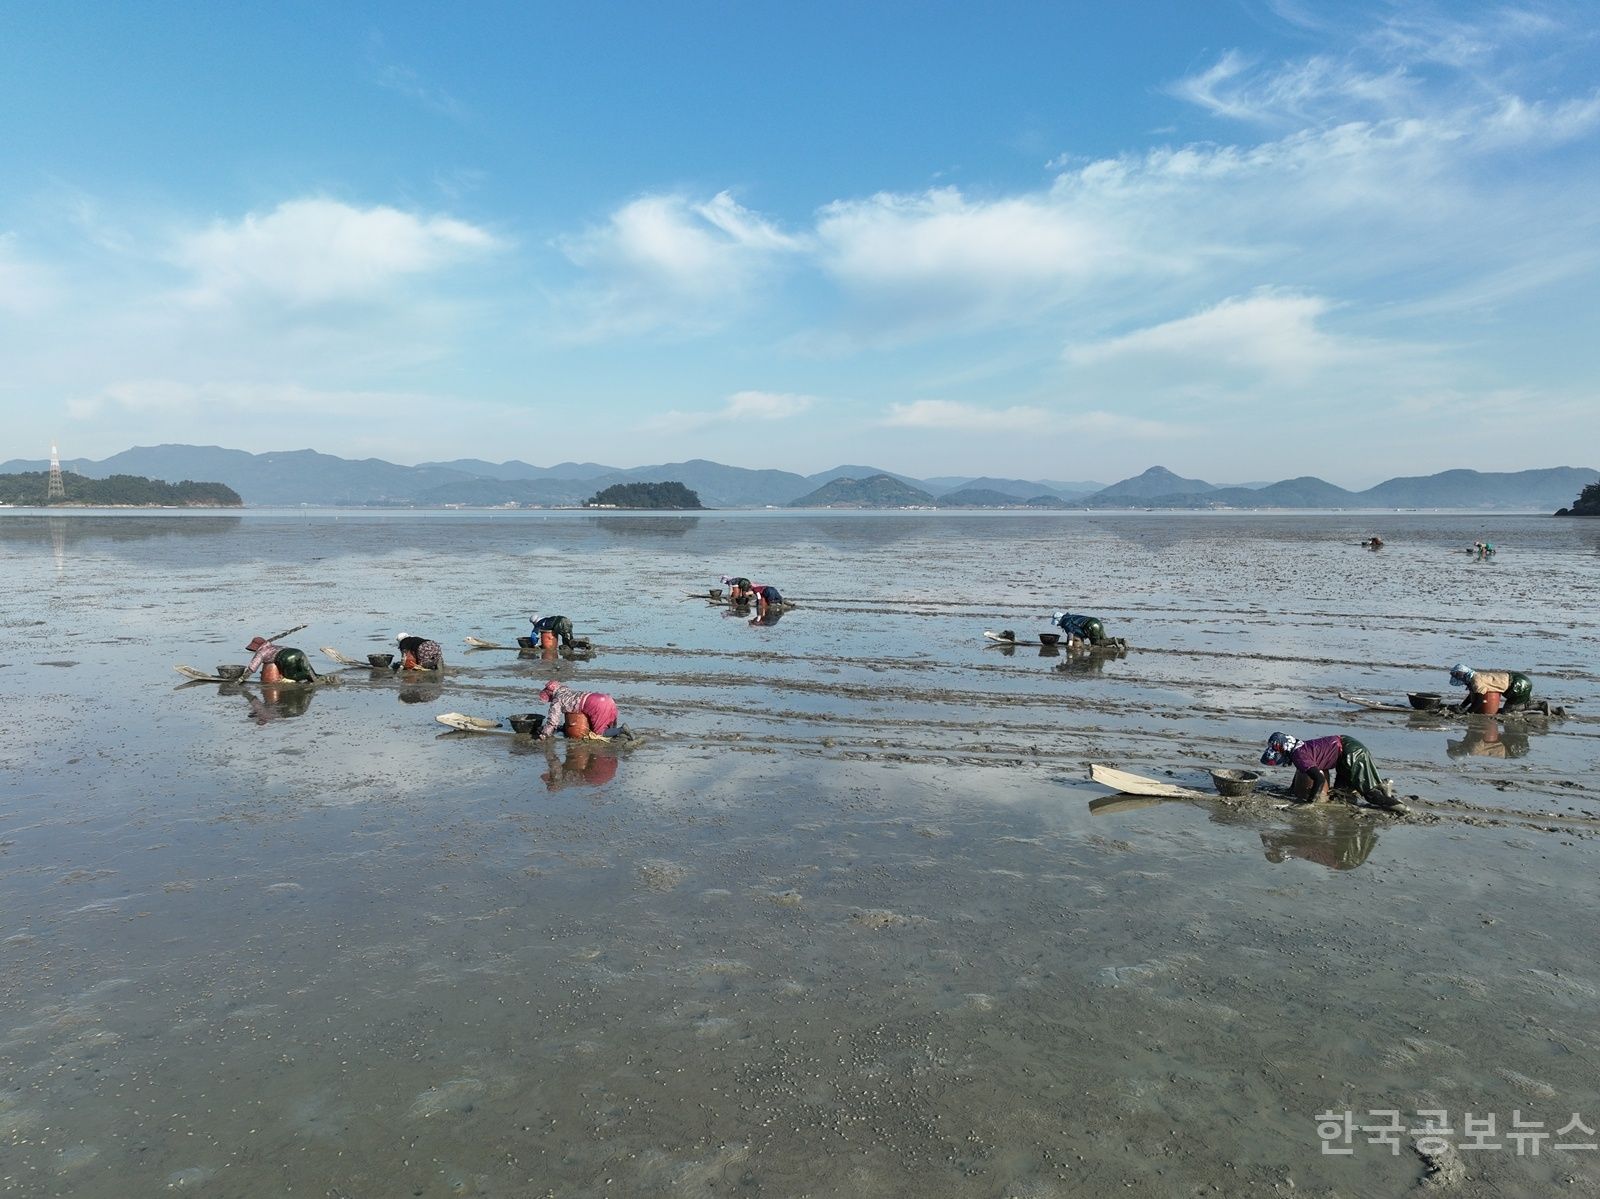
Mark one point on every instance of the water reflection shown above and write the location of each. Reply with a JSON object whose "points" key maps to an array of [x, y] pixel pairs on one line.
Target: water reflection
{"points": [[274, 703], [1091, 661], [645, 526], [1336, 840], [1492, 740], [585, 765]]}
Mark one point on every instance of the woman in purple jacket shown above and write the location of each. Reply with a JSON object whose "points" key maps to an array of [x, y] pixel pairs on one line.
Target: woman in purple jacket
{"points": [[1327, 762]]}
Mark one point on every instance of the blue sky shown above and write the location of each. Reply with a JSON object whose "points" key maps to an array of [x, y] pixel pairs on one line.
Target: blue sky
{"points": [[1246, 241]]}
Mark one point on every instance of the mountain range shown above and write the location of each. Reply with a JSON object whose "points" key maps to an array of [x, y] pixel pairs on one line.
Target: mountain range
{"points": [[306, 477]]}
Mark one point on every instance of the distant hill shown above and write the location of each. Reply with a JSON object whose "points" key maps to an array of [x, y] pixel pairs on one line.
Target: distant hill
{"points": [[1538, 489], [1019, 488], [985, 497], [669, 495], [878, 491], [1157, 482], [296, 477], [32, 488]]}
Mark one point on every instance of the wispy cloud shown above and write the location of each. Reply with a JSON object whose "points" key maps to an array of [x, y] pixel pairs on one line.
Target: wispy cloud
{"points": [[741, 408], [25, 287], [664, 261], [949, 414], [1271, 332]]}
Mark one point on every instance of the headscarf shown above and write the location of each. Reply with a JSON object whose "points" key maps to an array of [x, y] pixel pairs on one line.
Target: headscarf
{"points": [[256, 643], [550, 689], [1279, 747], [399, 637], [726, 579], [1461, 675], [535, 618], [1056, 617]]}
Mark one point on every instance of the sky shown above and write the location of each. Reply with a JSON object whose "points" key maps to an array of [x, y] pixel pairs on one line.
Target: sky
{"points": [[1244, 240]]}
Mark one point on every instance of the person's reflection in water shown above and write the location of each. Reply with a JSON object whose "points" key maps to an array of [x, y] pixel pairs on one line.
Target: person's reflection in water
{"points": [[1085, 661], [1491, 741], [424, 693], [769, 617], [585, 765], [275, 703], [1339, 842]]}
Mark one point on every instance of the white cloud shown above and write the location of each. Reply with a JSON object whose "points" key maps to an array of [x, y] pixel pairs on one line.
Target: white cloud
{"points": [[665, 261], [314, 251], [1271, 332], [741, 407], [163, 398], [949, 414]]}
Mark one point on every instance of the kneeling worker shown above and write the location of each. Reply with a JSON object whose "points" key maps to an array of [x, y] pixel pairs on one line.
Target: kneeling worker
{"points": [[1345, 759], [277, 662], [1084, 628], [1491, 691], [560, 626], [417, 653], [597, 709]]}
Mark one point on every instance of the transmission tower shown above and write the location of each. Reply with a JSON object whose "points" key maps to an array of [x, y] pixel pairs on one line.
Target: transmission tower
{"points": [[55, 491]]}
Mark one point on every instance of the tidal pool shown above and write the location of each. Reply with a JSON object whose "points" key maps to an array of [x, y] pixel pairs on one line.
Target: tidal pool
{"points": [[849, 921]]}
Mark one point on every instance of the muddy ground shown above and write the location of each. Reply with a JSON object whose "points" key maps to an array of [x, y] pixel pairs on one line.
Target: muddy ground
{"points": [[850, 921]]}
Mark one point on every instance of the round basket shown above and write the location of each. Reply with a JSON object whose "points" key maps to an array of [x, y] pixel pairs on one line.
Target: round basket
{"points": [[1234, 783]]}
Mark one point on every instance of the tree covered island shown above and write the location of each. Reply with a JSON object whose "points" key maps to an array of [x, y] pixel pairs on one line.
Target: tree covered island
{"points": [[666, 496], [32, 489]]}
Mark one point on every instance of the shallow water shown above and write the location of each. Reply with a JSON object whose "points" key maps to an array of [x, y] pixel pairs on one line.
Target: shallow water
{"points": [[845, 923]]}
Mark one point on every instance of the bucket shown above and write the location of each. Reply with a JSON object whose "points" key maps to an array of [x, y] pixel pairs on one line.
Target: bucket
{"points": [[1488, 703], [380, 661], [230, 672], [715, 593], [577, 725], [1049, 638], [547, 640], [530, 723], [1424, 701], [524, 642], [270, 673]]}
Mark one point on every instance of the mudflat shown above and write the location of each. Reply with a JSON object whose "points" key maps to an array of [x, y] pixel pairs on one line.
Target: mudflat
{"points": [[845, 922]]}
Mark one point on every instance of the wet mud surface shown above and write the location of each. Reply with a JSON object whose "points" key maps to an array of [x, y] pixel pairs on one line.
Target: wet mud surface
{"points": [[848, 921]]}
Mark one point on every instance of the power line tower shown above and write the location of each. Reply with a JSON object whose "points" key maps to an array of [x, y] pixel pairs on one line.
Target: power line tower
{"points": [[55, 491]]}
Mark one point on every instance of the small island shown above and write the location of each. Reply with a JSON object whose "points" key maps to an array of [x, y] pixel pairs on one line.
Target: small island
{"points": [[671, 497], [1587, 503], [31, 489]]}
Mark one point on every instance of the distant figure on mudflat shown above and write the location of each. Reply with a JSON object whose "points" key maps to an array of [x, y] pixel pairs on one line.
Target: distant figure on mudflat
{"points": [[558, 626], [278, 662], [1324, 763], [743, 591], [736, 584], [1087, 629], [418, 653], [1491, 691]]}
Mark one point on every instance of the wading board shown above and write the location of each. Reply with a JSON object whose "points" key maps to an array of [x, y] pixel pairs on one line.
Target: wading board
{"points": [[999, 640], [468, 724], [200, 676], [341, 659], [1138, 784]]}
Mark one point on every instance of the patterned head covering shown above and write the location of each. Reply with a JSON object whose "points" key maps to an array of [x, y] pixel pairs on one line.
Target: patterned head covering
{"points": [[726, 579], [1461, 675], [256, 643], [1279, 747], [550, 689]]}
